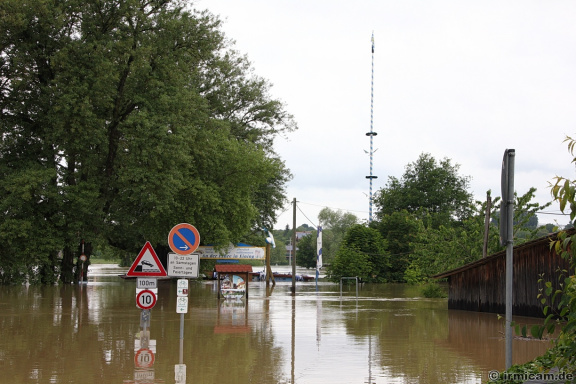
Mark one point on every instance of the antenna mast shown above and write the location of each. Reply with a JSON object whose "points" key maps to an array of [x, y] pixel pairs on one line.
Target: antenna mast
{"points": [[371, 134]]}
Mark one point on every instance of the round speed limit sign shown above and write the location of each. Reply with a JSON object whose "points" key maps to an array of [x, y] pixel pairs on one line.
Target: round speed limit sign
{"points": [[144, 358], [146, 299]]}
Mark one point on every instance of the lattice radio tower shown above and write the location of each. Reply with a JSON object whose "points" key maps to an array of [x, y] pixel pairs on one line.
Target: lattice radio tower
{"points": [[371, 134]]}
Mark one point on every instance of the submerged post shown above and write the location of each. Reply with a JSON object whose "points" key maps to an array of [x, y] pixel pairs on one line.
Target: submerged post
{"points": [[507, 238], [294, 249], [349, 278], [318, 253]]}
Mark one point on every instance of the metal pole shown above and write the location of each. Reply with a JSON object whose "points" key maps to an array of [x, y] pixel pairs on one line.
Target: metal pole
{"points": [[294, 249], [318, 253], [509, 257], [181, 338]]}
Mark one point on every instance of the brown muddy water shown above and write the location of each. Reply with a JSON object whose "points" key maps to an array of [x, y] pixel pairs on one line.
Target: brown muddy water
{"points": [[388, 334]]}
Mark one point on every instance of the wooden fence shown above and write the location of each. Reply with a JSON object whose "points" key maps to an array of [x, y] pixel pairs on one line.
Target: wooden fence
{"points": [[480, 285]]}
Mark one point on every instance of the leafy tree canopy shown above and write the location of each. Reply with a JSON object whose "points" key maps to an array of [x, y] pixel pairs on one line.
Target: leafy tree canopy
{"points": [[120, 119], [362, 254], [428, 189], [306, 253], [334, 224]]}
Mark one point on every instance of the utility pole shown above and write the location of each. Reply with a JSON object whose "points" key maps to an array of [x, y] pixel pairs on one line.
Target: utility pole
{"points": [[487, 224], [294, 249]]}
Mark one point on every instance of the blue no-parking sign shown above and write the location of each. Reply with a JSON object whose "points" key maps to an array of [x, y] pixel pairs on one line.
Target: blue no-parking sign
{"points": [[183, 239]]}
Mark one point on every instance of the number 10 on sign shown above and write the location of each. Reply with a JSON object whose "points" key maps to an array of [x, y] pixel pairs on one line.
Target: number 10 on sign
{"points": [[146, 299]]}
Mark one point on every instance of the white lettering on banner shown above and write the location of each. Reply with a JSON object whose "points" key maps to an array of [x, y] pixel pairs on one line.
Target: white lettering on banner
{"points": [[255, 253]]}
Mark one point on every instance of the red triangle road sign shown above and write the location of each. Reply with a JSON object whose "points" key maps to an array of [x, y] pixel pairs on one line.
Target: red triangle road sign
{"points": [[147, 264]]}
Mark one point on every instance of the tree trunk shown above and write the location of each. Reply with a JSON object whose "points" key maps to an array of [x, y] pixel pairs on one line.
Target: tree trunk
{"points": [[48, 270], [67, 266]]}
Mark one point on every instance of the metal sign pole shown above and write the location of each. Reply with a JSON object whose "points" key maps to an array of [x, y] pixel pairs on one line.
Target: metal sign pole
{"points": [[509, 253], [181, 338]]}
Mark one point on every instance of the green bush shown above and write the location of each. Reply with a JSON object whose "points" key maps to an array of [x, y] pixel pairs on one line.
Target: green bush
{"points": [[433, 290]]}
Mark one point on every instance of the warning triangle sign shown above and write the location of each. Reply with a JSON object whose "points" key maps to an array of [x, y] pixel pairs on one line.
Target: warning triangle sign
{"points": [[147, 263]]}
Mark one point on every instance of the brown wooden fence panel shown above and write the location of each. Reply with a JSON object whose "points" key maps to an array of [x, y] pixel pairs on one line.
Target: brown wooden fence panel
{"points": [[480, 286]]}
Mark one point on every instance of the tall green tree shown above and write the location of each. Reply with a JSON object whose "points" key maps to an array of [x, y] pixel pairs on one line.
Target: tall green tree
{"points": [[119, 119], [429, 189], [362, 254], [437, 250], [525, 216], [306, 253], [335, 224], [400, 229]]}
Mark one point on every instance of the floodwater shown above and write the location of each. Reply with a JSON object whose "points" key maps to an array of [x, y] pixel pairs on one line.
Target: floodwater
{"points": [[388, 334]]}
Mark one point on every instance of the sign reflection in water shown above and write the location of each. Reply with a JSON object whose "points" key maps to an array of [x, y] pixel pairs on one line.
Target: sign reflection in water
{"points": [[87, 333]]}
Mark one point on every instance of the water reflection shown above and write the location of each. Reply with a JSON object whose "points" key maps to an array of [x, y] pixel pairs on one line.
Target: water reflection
{"points": [[95, 333]]}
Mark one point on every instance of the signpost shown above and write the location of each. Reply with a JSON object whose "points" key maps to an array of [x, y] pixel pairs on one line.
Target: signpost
{"points": [[181, 308], [183, 239]]}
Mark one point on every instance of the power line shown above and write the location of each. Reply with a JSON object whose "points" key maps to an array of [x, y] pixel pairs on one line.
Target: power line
{"points": [[552, 213], [302, 212], [333, 208]]}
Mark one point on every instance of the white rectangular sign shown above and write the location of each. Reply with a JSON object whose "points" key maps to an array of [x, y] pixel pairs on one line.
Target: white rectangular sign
{"points": [[253, 253], [180, 373], [183, 265], [155, 290], [146, 282], [182, 287], [182, 304]]}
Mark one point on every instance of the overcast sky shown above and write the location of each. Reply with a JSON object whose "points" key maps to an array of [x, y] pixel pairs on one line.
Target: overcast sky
{"points": [[457, 79]]}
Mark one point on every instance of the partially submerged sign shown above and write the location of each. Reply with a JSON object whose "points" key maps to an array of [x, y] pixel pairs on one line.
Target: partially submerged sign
{"points": [[241, 251]]}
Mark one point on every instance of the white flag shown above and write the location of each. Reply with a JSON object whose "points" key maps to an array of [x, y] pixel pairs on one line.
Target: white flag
{"points": [[319, 248]]}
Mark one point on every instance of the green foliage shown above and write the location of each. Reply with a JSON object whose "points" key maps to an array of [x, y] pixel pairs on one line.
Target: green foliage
{"points": [[350, 262], [120, 120], [433, 290], [400, 229], [334, 226], [278, 254], [428, 189], [306, 252], [414, 275], [525, 219], [560, 299], [362, 254], [420, 250], [541, 364]]}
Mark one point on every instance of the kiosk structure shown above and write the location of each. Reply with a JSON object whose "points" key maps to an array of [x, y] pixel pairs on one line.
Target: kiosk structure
{"points": [[233, 280]]}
